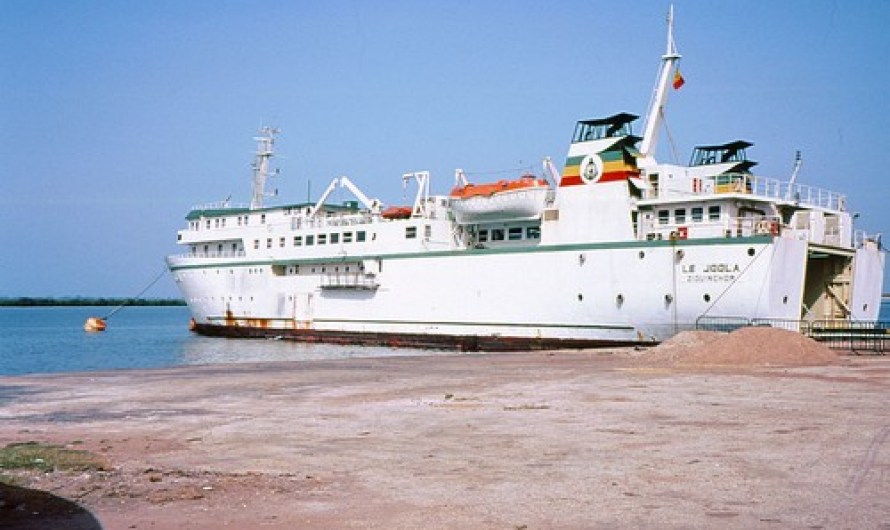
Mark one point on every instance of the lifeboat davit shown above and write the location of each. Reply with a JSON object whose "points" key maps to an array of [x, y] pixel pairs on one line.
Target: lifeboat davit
{"points": [[503, 200]]}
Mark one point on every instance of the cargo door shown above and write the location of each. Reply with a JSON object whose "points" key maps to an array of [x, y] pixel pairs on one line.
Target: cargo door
{"points": [[303, 310], [828, 285]]}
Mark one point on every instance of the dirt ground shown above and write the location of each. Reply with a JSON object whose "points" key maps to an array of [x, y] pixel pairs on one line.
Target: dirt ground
{"points": [[589, 439]]}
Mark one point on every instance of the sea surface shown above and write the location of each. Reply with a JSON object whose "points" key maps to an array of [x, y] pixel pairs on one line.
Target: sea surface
{"points": [[52, 339]]}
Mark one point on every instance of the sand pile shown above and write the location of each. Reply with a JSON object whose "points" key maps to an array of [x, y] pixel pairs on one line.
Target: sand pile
{"points": [[751, 346]]}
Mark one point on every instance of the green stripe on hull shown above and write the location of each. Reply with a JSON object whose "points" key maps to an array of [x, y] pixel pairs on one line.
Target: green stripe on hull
{"points": [[489, 251]]}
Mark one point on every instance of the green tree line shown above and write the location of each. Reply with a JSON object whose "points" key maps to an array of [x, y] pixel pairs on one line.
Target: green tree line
{"points": [[27, 301]]}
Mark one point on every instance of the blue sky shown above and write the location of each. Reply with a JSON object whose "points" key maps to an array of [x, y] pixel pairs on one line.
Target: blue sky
{"points": [[117, 117]]}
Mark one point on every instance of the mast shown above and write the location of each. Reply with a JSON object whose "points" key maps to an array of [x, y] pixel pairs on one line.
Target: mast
{"points": [[655, 115], [265, 142]]}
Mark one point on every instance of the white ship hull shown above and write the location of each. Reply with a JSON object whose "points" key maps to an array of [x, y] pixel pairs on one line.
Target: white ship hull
{"points": [[573, 295]]}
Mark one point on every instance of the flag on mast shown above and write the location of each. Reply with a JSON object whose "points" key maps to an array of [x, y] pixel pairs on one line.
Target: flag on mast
{"points": [[678, 79]]}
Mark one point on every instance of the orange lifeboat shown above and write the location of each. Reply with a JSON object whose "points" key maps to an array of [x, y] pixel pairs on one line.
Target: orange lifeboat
{"points": [[491, 188], [504, 200], [397, 212]]}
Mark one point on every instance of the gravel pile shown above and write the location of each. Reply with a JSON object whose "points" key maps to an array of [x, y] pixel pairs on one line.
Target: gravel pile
{"points": [[752, 346]]}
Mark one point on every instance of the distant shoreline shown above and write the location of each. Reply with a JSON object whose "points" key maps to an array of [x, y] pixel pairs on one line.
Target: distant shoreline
{"points": [[27, 301]]}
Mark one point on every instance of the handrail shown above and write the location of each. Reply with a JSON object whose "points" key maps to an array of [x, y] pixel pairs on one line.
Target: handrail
{"points": [[770, 188], [852, 335]]}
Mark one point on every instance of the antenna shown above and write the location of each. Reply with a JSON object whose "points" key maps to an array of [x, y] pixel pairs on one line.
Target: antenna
{"points": [[264, 151], [655, 115], [797, 163]]}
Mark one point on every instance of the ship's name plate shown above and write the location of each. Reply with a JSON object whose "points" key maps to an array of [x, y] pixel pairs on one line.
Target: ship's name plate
{"points": [[710, 272]]}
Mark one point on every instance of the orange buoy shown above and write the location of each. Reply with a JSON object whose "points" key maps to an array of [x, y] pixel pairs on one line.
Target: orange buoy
{"points": [[94, 324]]}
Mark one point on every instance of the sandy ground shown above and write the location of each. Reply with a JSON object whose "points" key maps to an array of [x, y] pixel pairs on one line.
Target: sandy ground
{"points": [[594, 439]]}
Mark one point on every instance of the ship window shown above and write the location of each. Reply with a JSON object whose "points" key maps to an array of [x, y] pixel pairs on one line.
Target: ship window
{"points": [[208, 223], [514, 233], [335, 238], [310, 240], [347, 237], [697, 214], [281, 242], [263, 219], [713, 213], [234, 247], [246, 220], [322, 239], [256, 244], [497, 234], [483, 236], [410, 232], [206, 249], [360, 236], [427, 231], [298, 241], [219, 248], [533, 232], [269, 242], [663, 217], [680, 215], [224, 222]]}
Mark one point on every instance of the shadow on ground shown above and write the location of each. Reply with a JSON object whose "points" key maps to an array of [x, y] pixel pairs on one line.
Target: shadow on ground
{"points": [[28, 509]]}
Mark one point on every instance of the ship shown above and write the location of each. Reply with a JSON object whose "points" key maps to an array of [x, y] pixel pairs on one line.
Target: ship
{"points": [[615, 249]]}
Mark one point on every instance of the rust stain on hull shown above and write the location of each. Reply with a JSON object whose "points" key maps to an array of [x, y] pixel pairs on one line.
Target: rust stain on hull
{"points": [[259, 328]]}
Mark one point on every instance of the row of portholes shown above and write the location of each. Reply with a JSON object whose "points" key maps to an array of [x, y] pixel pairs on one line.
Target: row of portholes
{"points": [[668, 299], [680, 253], [257, 270], [292, 270], [213, 299]]}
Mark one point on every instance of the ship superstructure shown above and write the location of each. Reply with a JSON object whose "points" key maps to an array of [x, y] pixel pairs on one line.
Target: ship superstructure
{"points": [[617, 248]]}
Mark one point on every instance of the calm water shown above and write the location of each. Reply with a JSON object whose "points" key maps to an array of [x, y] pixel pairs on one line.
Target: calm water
{"points": [[42, 340], [52, 339]]}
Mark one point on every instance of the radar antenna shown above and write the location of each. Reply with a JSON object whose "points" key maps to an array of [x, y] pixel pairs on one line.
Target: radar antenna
{"points": [[264, 151]]}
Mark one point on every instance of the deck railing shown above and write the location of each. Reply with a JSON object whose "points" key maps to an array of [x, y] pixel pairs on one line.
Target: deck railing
{"points": [[767, 187], [858, 336]]}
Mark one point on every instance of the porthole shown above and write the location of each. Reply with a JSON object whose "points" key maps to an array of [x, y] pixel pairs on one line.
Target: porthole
{"points": [[750, 251], [707, 297], [619, 300], [642, 254], [785, 299], [580, 297]]}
